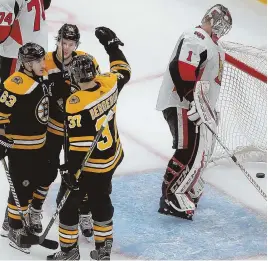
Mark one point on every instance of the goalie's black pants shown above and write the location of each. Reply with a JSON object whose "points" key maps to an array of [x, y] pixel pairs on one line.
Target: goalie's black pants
{"points": [[28, 169], [98, 188], [7, 67], [186, 143]]}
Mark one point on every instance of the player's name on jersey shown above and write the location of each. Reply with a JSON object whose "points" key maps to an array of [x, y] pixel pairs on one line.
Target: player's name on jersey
{"points": [[103, 106]]}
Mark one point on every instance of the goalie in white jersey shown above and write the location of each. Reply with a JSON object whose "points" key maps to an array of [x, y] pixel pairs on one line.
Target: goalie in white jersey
{"points": [[196, 57], [21, 21]]}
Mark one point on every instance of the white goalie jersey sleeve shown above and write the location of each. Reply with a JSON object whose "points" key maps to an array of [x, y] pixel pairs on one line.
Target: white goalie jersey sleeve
{"points": [[187, 53], [28, 26]]}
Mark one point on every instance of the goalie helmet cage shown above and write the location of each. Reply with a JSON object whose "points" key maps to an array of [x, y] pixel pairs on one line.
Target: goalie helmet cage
{"points": [[242, 104]]}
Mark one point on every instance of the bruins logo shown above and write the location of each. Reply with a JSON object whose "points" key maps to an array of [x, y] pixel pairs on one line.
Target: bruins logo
{"points": [[17, 79], [74, 99], [42, 110]]}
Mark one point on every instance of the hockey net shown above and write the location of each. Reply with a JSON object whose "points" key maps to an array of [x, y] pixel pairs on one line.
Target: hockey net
{"points": [[243, 104]]}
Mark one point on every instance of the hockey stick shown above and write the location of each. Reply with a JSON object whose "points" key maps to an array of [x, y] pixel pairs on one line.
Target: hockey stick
{"points": [[68, 191], [51, 244], [65, 142], [206, 114]]}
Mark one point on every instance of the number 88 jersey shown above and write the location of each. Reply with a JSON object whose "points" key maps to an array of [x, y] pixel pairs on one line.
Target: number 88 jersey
{"points": [[86, 111], [26, 19]]}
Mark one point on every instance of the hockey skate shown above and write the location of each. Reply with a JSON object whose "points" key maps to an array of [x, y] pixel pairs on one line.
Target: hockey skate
{"points": [[73, 254], [103, 253], [14, 236], [5, 226], [167, 210], [86, 227], [34, 220]]}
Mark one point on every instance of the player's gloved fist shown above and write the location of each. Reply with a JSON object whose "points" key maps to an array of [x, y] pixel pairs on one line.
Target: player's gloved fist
{"points": [[5, 144], [68, 177], [193, 114], [107, 37]]}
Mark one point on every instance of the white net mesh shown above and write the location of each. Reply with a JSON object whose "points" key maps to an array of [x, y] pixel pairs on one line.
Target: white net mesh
{"points": [[242, 104]]}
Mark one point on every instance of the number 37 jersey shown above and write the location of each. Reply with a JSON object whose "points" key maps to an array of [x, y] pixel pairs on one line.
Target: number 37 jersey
{"points": [[27, 21], [86, 111]]}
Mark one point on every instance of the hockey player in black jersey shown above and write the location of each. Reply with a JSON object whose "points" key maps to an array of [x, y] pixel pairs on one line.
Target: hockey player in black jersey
{"points": [[24, 108], [86, 110], [60, 88]]}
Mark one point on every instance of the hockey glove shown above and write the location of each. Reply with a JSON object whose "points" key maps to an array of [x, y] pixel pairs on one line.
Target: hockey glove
{"points": [[107, 37], [5, 144], [68, 177], [193, 114]]}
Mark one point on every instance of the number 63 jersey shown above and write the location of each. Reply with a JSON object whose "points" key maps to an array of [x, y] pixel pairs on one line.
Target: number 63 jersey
{"points": [[86, 111], [25, 21]]}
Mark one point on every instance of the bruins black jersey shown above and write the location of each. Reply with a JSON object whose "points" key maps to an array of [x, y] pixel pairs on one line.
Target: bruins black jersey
{"points": [[60, 90], [86, 111], [24, 110]]}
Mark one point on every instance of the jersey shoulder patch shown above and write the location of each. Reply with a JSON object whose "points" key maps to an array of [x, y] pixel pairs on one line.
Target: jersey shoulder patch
{"points": [[20, 83], [78, 101]]}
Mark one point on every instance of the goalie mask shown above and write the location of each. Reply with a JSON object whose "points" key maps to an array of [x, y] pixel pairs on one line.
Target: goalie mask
{"points": [[220, 20], [82, 68]]}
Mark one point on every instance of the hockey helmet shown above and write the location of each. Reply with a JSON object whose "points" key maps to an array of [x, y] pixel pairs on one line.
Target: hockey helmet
{"points": [[82, 68], [220, 20], [69, 32], [31, 52]]}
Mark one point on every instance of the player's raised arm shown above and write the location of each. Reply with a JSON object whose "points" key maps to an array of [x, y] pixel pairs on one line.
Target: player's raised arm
{"points": [[118, 61]]}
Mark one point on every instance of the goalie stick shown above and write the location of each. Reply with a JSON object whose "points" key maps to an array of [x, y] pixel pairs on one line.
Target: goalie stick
{"points": [[207, 116], [40, 239], [51, 244]]}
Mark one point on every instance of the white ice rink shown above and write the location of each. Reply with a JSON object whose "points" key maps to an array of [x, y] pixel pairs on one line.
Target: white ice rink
{"points": [[150, 29]]}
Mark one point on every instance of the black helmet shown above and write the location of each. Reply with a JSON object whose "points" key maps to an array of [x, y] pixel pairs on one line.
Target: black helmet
{"points": [[69, 32], [31, 52], [82, 68]]}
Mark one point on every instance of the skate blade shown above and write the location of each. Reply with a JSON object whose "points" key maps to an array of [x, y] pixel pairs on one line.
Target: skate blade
{"points": [[24, 250]]}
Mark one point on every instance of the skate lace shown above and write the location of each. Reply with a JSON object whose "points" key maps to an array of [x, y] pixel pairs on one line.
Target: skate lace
{"points": [[85, 221]]}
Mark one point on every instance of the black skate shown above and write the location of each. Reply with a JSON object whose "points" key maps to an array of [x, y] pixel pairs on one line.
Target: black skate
{"points": [[103, 253], [73, 254], [34, 220], [14, 236], [5, 226], [167, 210], [86, 227]]}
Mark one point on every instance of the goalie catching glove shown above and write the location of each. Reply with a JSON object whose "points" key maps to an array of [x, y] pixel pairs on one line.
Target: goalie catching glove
{"points": [[193, 114], [68, 177]]}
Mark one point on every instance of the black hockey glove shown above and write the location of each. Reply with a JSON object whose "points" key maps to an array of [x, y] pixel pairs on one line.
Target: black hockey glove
{"points": [[5, 144], [68, 177], [107, 37]]}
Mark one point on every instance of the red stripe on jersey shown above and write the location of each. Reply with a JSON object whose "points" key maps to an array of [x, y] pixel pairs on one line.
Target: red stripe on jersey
{"points": [[16, 32], [187, 71], [13, 66], [4, 32], [185, 128]]}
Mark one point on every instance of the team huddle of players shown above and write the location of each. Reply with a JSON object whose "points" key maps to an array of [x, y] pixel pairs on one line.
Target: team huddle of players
{"points": [[60, 100]]}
